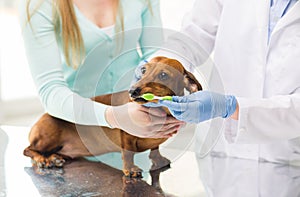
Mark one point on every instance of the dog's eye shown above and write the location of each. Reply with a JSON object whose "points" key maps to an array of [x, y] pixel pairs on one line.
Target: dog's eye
{"points": [[143, 70], [163, 76]]}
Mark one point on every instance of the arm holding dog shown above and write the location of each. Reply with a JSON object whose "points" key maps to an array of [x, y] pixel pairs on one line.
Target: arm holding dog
{"points": [[54, 79], [142, 121]]}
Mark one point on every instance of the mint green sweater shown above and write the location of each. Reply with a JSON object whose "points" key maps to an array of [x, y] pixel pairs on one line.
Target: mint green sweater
{"points": [[108, 67]]}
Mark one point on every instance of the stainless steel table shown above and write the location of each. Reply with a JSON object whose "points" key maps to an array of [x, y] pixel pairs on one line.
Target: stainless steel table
{"points": [[87, 178], [188, 176]]}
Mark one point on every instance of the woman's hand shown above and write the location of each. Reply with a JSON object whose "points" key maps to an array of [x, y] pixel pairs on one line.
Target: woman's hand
{"points": [[142, 121]]}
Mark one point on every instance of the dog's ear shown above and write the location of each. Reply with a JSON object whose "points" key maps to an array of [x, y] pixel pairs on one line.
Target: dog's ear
{"points": [[191, 83]]}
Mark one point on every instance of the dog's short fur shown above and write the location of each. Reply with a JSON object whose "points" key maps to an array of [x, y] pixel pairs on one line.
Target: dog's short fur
{"points": [[53, 140]]}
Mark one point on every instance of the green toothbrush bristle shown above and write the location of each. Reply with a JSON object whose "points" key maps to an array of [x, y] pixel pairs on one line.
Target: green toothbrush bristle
{"points": [[148, 96]]}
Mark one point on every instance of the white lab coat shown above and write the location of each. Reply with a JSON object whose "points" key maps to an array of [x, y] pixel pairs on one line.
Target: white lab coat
{"points": [[233, 177], [264, 76]]}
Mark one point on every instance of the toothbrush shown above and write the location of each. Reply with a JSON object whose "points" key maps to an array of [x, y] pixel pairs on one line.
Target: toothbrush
{"points": [[150, 97]]}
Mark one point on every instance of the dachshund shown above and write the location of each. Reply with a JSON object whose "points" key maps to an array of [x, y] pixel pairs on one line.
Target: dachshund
{"points": [[53, 140]]}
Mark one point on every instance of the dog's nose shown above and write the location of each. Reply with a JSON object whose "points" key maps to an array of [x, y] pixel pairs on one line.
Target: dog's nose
{"points": [[135, 92]]}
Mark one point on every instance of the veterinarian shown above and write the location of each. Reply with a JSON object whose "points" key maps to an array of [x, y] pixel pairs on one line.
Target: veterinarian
{"points": [[57, 37], [256, 48]]}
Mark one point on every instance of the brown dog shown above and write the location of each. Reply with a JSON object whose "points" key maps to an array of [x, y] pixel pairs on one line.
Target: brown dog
{"points": [[53, 140]]}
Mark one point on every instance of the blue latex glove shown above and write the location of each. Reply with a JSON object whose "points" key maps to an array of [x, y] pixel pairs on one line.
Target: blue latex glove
{"points": [[199, 106]]}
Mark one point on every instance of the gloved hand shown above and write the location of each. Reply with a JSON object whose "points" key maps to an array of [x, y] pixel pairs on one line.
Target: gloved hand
{"points": [[199, 106]]}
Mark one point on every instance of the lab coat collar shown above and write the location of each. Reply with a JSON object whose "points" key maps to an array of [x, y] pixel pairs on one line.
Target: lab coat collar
{"points": [[291, 16], [262, 17]]}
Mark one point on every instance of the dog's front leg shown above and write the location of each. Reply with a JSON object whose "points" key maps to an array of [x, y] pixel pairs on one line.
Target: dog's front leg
{"points": [[129, 169], [158, 161], [41, 161]]}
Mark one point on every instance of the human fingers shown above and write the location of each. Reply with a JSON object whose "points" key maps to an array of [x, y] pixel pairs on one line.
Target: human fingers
{"points": [[166, 133], [171, 125], [158, 121], [170, 134], [166, 128], [152, 104], [174, 106], [155, 111], [180, 99]]}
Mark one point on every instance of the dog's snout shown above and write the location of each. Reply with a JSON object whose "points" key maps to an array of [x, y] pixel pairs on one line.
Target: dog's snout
{"points": [[135, 92]]}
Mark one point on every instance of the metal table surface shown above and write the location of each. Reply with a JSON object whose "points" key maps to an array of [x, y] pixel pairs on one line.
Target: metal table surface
{"points": [[87, 178], [188, 176]]}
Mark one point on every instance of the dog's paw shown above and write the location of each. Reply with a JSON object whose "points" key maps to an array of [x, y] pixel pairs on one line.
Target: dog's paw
{"points": [[56, 160], [134, 172], [56, 172], [42, 162], [53, 160]]}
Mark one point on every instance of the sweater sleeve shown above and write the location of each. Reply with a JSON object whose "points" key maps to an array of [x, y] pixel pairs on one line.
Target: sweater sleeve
{"points": [[44, 59]]}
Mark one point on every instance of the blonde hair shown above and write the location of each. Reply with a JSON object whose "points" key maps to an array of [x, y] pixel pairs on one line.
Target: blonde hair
{"points": [[64, 17]]}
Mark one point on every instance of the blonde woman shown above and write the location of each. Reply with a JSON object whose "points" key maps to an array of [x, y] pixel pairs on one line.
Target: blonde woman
{"points": [[57, 36]]}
